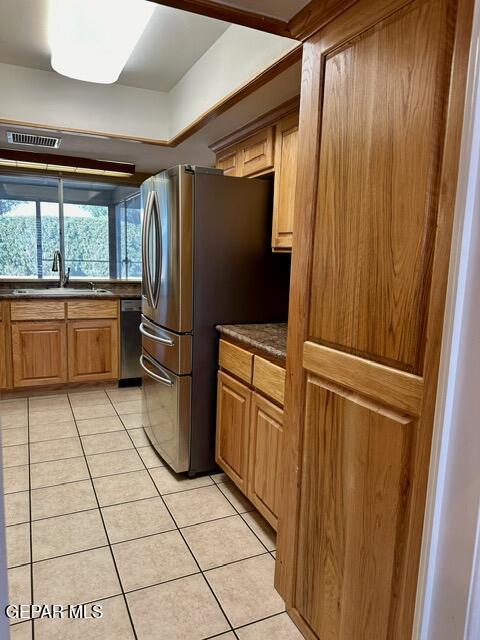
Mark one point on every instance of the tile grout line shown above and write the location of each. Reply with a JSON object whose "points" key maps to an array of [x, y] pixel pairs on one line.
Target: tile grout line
{"points": [[187, 545], [119, 504], [30, 515], [106, 533], [237, 512], [148, 469], [241, 516]]}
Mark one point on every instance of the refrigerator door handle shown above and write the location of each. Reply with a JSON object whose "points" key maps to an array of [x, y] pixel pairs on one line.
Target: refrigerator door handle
{"points": [[158, 241], [147, 334], [163, 379], [145, 251]]}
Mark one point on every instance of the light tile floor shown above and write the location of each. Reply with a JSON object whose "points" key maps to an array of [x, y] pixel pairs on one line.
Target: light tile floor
{"points": [[94, 516]]}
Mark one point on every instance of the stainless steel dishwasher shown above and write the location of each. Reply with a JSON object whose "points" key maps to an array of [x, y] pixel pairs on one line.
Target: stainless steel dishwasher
{"points": [[131, 344]]}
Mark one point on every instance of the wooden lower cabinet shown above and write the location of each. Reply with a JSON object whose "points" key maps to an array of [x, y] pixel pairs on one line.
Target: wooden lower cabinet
{"points": [[3, 357], [265, 457], [39, 353], [249, 445], [93, 350], [233, 426]]}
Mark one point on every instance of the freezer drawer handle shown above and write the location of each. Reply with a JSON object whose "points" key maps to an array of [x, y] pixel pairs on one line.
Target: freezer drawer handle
{"points": [[161, 379], [165, 341]]}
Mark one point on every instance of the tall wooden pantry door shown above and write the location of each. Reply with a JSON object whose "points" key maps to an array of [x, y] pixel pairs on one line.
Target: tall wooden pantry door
{"points": [[380, 122]]}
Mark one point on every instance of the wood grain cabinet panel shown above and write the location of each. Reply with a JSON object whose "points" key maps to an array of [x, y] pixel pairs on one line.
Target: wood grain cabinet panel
{"points": [[233, 428], [375, 212], [352, 515], [3, 356], [265, 458], [256, 153], [37, 310], [236, 360], [228, 162], [39, 353], [383, 90], [87, 309], [93, 352], [269, 378], [286, 159]]}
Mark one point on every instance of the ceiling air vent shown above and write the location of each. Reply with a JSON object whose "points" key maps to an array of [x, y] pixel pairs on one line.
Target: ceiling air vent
{"points": [[32, 140]]}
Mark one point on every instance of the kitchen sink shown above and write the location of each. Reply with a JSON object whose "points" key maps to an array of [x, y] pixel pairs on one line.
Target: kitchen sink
{"points": [[65, 291]]}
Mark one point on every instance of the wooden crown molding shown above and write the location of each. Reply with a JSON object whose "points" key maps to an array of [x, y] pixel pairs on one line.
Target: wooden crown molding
{"points": [[265, 120], [234, 15], [314, 16], [226, 103]]}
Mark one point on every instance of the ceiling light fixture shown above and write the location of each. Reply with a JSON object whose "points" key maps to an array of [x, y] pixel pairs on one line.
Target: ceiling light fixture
{"points": [[91, 40], [61, 164]]}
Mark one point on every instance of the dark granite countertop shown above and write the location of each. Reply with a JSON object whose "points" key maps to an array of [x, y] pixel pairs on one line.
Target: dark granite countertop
{"points": [[123, 295], [270, 339]]}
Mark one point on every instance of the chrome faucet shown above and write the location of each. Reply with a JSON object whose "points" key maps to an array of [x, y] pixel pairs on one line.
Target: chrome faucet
{"points": [[60, 267]]}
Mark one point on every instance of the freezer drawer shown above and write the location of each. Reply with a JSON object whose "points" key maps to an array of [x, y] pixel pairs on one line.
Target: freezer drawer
{"points": [[166, 412], [171, 350]]}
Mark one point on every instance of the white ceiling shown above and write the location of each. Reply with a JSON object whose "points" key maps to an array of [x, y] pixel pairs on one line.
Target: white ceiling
{"points": [[281, 9], [171, 43]]}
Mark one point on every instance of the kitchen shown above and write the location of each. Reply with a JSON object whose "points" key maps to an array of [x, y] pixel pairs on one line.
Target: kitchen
{"points": [[224, 251]]}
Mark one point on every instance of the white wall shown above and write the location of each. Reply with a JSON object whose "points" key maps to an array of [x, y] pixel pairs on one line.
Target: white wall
{"points": [[47, 98], [448, 603], [236, 57]]}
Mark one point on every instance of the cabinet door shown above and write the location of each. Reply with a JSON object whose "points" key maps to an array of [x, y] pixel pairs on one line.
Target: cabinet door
{"points": [[373, 218], [286, 152], [92, 350], [227, 161], [3, 357], [265, 459], [233, 424], [39, 353], [256, 153]]}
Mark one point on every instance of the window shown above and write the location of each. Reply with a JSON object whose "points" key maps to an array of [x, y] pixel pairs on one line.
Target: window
{"points": [[130, 237], [96, 226]]}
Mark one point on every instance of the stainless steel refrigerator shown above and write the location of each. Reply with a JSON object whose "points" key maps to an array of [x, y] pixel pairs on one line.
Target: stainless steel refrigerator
{"points": [[206, 261]]}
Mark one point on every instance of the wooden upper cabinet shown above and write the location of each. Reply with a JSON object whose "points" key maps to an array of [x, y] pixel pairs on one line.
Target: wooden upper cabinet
{"points": [[286, 158], [93, 350], [39, 353], [271, 150], [228, 162], [256, 153], [265, 458], [233, 428]]}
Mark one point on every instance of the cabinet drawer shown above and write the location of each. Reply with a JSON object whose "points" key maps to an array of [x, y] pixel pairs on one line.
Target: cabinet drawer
{"points": [[236, 360], [37, 310], [87, 309], [256, 153], [269, 378]]}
